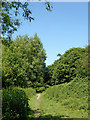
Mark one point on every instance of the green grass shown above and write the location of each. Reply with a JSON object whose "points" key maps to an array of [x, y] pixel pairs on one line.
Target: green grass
{"points": [[68, 100], [73, 95], [48, 107]]}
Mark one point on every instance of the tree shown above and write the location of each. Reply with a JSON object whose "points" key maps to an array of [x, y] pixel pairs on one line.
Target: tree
{"points": [[59, 55], [10, 16], [69, 65], [23, 62]]}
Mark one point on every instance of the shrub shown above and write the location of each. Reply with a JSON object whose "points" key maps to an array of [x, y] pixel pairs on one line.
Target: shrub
{"points": [[28, 91], [40, 89], [15, 104]]}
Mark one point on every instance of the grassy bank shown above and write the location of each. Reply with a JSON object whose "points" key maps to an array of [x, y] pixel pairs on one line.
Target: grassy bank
{"points": [[73, 95], [68, 100]]}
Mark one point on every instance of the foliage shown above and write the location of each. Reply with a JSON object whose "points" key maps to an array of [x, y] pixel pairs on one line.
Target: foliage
{"points": [[23, 62], [68, 66], [11, 15], [67, 100], [40, 89], [73, 95], [48, 74], [10, 12], [15, 104], [30, 92]]}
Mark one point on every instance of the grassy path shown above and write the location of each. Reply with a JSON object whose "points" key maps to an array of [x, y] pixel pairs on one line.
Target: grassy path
{"points": [[49, 108], [35, 105]]}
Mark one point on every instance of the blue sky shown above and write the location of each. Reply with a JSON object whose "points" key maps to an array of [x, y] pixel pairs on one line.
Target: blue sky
{"points": [[63, 28]]}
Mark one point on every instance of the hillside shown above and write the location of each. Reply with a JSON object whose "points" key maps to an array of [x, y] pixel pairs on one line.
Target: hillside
{"points": [[74, 95], [68, 100]]}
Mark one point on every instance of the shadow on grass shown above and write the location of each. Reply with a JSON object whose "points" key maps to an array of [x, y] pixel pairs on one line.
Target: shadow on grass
{"points": [[50, 117]]}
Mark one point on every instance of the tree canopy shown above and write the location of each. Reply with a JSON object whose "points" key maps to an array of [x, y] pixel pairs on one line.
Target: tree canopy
{"points": [[10, 16], [68, 66], [23, 62]]}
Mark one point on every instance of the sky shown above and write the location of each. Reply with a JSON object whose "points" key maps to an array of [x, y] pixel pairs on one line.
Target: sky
{"points": [[63, 28]]}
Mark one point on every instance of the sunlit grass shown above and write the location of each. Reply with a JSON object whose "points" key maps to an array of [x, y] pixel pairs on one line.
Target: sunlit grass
{"points": [[69, 100]]}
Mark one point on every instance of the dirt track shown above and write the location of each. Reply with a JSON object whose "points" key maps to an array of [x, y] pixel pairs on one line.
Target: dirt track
{"points": [[38, 96]]}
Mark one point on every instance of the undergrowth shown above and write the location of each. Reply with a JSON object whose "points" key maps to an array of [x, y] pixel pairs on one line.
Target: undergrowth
{"points": [[73, 95]]}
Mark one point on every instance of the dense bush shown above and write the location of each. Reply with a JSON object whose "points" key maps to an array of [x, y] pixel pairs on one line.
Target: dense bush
{"points": [[29, 91], [15, 104], [40, 89]]}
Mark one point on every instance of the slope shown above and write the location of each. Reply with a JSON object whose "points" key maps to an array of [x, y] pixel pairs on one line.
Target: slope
{"points": [[68, 100]]}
